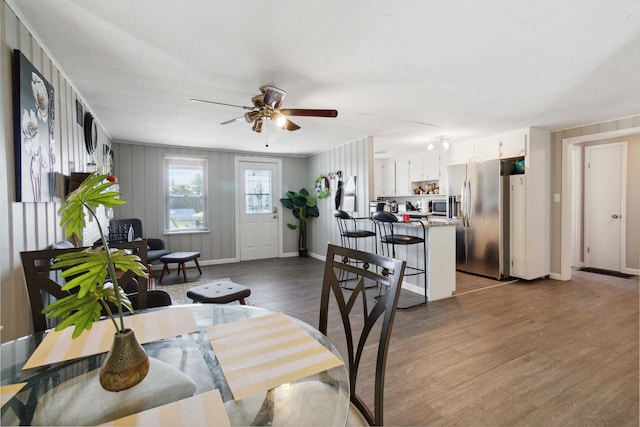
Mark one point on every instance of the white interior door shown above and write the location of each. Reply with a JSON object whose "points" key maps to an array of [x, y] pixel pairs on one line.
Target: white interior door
{"points": [[604, 171], [258, 209]]}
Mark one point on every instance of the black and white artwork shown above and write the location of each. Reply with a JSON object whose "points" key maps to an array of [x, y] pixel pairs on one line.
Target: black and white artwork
{"points": [[34, 132], [108, 160], [79, 113]]}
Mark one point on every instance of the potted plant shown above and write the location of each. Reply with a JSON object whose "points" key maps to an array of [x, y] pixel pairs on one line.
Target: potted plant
{"points": [[304, 207], [93, 272]]}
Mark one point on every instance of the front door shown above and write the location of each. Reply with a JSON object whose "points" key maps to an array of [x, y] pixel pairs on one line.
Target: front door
{"points": [[604, 166], [258, 210]]}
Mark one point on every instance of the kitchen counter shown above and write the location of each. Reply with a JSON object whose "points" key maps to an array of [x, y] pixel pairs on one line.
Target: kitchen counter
{"points": [[427, 219], [440, 236]]}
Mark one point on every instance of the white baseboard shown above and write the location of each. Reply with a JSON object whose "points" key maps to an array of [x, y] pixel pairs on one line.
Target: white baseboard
{"points": [[316, 256], [413, 288], [289, 254], [202, 263], [216, 261]]}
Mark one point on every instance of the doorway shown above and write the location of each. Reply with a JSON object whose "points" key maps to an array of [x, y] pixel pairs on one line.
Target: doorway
{"points": [[604, 190], [258, 183], [568, 215]]}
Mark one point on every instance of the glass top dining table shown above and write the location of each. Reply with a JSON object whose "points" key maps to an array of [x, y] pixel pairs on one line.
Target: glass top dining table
{"points": [[318, 399]]}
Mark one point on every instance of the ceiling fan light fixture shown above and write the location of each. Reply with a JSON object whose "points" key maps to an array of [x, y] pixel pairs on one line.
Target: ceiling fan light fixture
{"points": [[279, 119], [445, 145], [431, 146], [257, 126], [249, 116]]}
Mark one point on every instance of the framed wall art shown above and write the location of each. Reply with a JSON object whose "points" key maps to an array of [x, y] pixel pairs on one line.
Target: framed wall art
{"points": [[34, 132], [79, 113], [108, 160]]}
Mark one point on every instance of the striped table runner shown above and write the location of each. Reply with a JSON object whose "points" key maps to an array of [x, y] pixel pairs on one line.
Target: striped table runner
{"points": [[261, 353], [204, 409], [8, 391], [58, 346]]}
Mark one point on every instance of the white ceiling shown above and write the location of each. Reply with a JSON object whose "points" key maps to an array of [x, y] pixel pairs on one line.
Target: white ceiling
{"points": [[403, 72]]}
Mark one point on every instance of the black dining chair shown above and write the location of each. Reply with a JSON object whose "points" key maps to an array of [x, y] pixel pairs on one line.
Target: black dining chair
{"points": [[359, 322], [390, 236], [44, 283]]}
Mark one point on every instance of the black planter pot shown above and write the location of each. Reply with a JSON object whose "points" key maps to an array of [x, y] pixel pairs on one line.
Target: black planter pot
{"points": [[303, 252]]}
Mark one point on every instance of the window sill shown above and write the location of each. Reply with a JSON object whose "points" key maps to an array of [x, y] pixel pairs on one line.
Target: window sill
{"points": [[172, 232]]}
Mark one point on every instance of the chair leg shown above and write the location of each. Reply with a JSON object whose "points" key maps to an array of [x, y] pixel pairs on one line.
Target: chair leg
{"points": [[242, 301], [165, 269], [198, 265]]}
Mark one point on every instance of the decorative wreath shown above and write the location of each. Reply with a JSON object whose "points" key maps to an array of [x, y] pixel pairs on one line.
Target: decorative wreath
{"points": [[322, 187]]}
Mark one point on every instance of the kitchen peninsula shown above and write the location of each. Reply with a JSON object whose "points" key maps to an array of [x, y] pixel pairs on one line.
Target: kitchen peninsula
{"points": [[440, 237]]}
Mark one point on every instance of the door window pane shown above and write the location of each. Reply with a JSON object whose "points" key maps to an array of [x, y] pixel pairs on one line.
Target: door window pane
{"points": [[257, 184]]}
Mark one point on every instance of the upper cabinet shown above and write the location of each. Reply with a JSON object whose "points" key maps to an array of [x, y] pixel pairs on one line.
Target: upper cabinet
{"points": [[395, 177], [424, 168], [403, 186], [392, 178], [500, 146], [429, 166], [512, 147]]}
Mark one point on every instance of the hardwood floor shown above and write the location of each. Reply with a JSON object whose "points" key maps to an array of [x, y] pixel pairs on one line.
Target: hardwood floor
{"points": [[543, 353]]}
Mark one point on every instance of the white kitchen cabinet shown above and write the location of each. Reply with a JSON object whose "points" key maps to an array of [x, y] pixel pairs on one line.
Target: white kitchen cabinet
{"points": [[529, 211], [392, 178], [416, 168], [424, 167], [429, 166], [512, 146], [403, 185], [517, 226], [388, 182]]}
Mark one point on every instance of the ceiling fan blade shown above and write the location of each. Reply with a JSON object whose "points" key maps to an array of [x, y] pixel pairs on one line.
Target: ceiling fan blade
{"points": [[204, 101], [232, 121], [308, 112], [273, 96], [289, 125]]}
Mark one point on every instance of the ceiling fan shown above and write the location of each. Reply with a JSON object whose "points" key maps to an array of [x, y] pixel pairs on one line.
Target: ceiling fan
{"points": [[266, 105]]}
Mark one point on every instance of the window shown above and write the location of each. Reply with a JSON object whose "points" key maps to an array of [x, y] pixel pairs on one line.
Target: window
{"points": [[257, 191], [186, 193]]}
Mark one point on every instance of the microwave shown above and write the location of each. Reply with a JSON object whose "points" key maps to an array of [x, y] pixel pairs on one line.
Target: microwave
{"points": [[438, 207]]}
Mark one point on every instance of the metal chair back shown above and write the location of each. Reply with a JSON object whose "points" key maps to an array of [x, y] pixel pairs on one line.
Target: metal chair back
{"points": [[44, 284], [358, 321]]}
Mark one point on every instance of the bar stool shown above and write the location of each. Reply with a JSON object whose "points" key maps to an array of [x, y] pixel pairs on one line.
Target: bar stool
{"points": [[350, 234], [347, 225], [387, 229]]}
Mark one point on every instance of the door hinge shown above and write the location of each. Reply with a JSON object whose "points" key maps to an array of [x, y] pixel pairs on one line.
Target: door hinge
{"points": [[588, 249]]}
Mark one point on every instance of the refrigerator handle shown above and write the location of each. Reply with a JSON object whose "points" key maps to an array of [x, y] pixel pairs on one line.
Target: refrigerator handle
{"points": [[463, 201], [469, 202]]}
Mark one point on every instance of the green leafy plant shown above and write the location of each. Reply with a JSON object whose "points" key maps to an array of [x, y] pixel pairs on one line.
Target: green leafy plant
{"points": [[93, 270], [304, 207]]}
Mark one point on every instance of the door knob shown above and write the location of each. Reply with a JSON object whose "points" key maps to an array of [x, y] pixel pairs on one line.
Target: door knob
{"points": [[615, 216]]}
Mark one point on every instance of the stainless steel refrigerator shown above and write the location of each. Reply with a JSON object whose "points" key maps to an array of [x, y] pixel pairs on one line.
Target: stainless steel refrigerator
{"points": [[478, 204]]}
